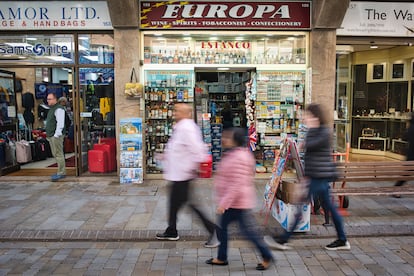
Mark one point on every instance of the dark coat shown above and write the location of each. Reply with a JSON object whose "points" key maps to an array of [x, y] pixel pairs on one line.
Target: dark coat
{"points": [[318, 154], [409, 136]]}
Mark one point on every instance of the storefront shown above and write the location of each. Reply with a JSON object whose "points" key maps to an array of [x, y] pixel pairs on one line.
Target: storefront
{"points": [[283, 51], [66, 47], [375, 76], [251, 73]]}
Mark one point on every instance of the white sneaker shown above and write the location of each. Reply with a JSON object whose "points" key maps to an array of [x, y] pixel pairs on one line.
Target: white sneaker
{"points": [[212, 241], [275, 244]]}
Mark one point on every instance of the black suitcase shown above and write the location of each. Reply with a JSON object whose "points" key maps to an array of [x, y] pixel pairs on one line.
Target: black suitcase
{"points": [[39, 151], [45, 144]]}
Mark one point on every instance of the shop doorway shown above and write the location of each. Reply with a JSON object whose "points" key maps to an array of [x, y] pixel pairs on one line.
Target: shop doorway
{"points": [[33, 85], [91, 113], [220, 103]]}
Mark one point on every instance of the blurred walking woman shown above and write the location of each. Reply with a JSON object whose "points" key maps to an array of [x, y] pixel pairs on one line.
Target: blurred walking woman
{"points": [[320, 169], [236, 195]]}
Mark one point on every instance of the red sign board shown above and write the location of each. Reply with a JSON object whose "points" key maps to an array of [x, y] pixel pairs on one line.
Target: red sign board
{"points": [[258, 15]]}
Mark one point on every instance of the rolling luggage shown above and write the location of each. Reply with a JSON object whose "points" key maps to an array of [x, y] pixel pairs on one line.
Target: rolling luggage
{"points": [[46, 145], [39, 150], [97, 161], [111, 151], [23, 152]]}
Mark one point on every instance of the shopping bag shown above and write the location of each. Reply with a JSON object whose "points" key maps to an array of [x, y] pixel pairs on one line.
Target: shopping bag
{"points": [[133, 88]]}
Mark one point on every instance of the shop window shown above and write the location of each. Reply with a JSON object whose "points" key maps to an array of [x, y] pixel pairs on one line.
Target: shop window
{"points": [[224, 49], [37, 49], [96, 49]]}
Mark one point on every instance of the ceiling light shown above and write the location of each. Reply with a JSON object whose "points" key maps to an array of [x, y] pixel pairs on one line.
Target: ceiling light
{"points": [[223, 68], [59, 58], [18, 44], [92, 58], [373, 46]]}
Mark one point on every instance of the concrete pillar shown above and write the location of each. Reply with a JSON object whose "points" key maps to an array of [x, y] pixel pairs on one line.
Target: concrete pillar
{"points": [[327, 16], [323, 63], [127, 56]]}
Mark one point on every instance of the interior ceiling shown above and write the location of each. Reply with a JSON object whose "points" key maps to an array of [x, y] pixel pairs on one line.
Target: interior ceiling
{"points": [[363, 43]]}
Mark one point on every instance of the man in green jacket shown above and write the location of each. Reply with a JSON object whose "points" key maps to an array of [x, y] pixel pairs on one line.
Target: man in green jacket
{"points": [[55, 123]]}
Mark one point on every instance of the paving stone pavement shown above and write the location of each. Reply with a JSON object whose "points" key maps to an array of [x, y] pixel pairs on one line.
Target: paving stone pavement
{"points": [[100, 209], [368, 256]]}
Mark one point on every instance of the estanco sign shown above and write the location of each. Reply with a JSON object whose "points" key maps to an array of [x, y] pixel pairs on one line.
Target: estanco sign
{"points": [[225, 15], [54, 15]]}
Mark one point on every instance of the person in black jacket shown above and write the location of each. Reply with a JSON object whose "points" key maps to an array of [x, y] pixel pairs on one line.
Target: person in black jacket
{"points": [[409, 137], [320, 169]]}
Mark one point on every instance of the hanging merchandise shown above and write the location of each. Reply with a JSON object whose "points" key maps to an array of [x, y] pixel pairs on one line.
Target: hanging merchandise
{"points": [[4, 95], [28, 100], [105, 106], [250, 115], [133, 88]]}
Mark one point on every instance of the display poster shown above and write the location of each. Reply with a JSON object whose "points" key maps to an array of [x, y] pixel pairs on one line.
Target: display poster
{"points": [[131, 175], [131, 159]]}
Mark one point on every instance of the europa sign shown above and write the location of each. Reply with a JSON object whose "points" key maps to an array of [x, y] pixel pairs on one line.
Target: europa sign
{"points": [[225, 15]]}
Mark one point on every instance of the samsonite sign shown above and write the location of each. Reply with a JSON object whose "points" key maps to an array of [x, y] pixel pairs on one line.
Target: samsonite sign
{"points": [[378, 19], [276, 15], [54, 15]]}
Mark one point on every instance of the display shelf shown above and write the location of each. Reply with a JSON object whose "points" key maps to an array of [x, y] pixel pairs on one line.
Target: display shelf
{"points": [[388, 127], [373, 142], [163, 88], [278, 103]]}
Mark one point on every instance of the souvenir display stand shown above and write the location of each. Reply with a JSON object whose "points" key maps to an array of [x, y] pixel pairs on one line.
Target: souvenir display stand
{"points": [[285, 192], [131, 160]]}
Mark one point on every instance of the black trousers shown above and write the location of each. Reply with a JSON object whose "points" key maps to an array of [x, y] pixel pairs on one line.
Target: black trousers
{"points": [[179, 195]]}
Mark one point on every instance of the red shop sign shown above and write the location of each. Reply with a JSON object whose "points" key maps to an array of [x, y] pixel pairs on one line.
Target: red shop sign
{"points": [[225, 15]]}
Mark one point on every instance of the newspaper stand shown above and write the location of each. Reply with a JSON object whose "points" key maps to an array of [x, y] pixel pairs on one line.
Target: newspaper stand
{"points": [[288, 152]]}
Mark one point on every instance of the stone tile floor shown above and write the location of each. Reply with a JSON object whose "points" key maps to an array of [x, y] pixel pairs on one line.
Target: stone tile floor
{"points": [[368, 256]]}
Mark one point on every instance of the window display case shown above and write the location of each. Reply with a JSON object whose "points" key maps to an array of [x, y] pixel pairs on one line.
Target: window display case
{"points": [[230, 49], [382, 107], [163, 88]]}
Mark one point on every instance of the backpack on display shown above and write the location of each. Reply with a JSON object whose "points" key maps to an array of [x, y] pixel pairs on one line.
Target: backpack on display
{"points": [[28, 100]]}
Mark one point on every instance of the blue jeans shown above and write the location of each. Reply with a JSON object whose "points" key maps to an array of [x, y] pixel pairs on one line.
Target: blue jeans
{"points": [[246, 224], [319, 187]]}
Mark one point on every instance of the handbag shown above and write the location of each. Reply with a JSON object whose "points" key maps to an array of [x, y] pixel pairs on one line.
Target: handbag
{"points": [[133, 88]]}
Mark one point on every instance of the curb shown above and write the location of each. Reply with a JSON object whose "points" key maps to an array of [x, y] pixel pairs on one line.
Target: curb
{"points": [[190, 235]]}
